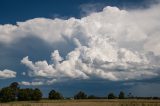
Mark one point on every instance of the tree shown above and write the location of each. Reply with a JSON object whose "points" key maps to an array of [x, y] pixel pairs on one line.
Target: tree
{"points": [[15, 87], [111, 96], [80, 95], [25, 94], [14, 92], [37, 94], [7, 94], [54, 95], [121, 95], [22, 95]]}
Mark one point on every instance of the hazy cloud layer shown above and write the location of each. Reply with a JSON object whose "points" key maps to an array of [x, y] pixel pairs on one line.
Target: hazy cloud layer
{"points": [[113, 44]]}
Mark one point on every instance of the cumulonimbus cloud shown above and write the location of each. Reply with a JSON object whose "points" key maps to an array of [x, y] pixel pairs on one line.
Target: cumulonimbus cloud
{"points": [[104, 47], [126, 27], [113, 44]]}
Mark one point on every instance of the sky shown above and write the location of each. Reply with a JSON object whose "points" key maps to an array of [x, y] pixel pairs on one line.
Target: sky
{"points": [[97, 46]]}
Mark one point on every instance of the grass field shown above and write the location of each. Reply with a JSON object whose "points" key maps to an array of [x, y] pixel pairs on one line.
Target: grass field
{"points": [[86, 103]]}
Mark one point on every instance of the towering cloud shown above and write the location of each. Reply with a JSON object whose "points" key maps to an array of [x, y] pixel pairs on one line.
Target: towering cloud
{"points": [[113, 44]]}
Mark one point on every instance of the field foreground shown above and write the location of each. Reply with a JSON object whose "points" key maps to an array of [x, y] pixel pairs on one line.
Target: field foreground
{"points": [[86, 103]]}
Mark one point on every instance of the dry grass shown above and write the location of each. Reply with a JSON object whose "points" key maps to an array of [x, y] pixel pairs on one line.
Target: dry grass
{"points": [[86, 103]]}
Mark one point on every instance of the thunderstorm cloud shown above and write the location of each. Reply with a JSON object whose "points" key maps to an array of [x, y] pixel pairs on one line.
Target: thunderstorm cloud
{"points": [[113, 44]]}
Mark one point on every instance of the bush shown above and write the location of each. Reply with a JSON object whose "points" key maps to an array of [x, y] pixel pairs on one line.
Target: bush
{"points": [[111, 96]]}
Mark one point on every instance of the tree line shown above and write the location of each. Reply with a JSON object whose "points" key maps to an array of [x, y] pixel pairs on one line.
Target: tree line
{"points": [[13, 92]]}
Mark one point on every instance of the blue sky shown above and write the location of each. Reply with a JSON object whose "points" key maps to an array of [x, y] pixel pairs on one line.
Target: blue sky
{"points": [[98, 46], [21, 10]]}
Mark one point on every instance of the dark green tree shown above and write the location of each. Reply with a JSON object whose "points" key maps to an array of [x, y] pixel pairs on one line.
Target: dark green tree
{"points": [[7, 94], [111, 96], [37, 94], [22, 95], [121, 95], [15, 86], [80, 95], [14, 92], [54, 95], [25, 94]]}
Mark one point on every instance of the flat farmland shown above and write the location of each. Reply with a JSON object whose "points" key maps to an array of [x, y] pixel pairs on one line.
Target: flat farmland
{"points": [[85, 103]]}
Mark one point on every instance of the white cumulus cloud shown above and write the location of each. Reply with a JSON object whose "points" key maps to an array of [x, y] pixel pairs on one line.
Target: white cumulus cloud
{"points": [[31, 83], [7, 74], [107, 62]]}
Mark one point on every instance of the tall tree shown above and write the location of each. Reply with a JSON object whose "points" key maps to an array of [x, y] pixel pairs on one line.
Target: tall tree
{"points": [[15, 86], [121, 95], [80, 95], [37, 94], [54, 95]]}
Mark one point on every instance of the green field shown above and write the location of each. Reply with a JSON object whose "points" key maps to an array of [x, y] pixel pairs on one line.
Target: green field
{"points": [[86, 103]]}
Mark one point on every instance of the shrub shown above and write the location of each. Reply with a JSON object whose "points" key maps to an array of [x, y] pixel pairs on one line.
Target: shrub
{"points": [[111, 96]]}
